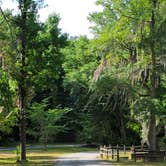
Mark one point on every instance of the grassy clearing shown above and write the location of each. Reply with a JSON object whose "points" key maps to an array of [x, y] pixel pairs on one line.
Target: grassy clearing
{"points": [[125, 160], [39, 156]]}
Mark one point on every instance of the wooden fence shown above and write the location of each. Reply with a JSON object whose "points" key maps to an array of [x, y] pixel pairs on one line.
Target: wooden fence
{"points": [[112, 151], [136, 152], [146, 155]]}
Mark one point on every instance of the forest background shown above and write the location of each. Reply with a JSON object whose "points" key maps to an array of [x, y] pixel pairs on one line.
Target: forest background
{"points": [[110, 89]]}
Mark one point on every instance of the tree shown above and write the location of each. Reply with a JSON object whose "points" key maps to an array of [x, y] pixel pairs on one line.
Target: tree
{"points": [[27, 13], [33, 58], [79, 65], [46, 65], [114, 83], [128, 30], [44, 123]]}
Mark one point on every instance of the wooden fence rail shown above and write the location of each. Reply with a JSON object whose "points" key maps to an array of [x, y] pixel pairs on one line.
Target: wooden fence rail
{"points": [[137, 152], [112, 151]]}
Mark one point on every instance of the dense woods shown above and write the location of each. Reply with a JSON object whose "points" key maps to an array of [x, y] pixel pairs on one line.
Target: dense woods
{"points": [[110, 89]]}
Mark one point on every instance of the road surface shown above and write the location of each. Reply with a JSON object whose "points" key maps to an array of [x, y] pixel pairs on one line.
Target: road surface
{"points": [[82, 159], [41, 146]]}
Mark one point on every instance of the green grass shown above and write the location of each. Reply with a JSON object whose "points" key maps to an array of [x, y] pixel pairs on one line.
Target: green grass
{"points": [[132, 163], [129, 162], [39, 157]]}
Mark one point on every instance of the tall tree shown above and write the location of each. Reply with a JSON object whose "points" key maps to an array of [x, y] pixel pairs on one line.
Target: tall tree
{"points": [[128, 30], [154, 86], [47, 62], [25, 21]]}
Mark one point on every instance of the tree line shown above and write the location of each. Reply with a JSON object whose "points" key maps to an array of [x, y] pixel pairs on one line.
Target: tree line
{"points": [[109, 89]]}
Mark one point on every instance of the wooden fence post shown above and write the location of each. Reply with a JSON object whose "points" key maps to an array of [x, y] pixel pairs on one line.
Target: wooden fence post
{"points": [[107, 149], [108, 152], [117, 153], [134, 155], [104, 151], [101, 151], [112, 153], [124, 149]]}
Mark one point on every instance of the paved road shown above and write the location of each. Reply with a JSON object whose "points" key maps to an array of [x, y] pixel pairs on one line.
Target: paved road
{"points": [[82, 159], [41, 146]]}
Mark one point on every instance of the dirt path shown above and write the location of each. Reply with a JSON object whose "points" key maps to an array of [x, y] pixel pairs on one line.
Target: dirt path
{"points": [[82, 159]]}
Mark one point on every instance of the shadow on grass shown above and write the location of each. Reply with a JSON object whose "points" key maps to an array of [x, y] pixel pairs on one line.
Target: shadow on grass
{"points": [[139, 163], [9, 158], [42, 158], [66, 149], [73, 162], [31, 160]]}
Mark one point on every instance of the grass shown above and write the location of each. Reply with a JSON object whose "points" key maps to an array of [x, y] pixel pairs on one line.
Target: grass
{"points": [[39, 157], [124, 162], [132, 163]]}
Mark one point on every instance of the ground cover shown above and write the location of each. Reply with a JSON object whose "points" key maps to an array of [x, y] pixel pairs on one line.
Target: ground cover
{"points": [[132, 163], [125, 160], [39, 156]]}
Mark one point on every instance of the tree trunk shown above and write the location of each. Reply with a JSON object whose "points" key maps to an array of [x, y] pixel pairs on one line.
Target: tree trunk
{"points": [[152, 133], [22, 132], [1, 61], [45, 142], [152, 123], [122, 129], [22, 85]]}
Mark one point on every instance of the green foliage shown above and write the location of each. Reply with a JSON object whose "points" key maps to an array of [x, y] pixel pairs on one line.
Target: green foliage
{"points": [[46, 60], [8, 112], [163, 141], [108, 81], [126, 36], [44, 121], [5, 93], [79, 65], [8, 120], [17, 153], [80, 62]]}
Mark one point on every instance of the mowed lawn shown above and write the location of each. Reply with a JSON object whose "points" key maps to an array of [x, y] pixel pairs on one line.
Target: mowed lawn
{"points": [[130, 162], [39, 156]]}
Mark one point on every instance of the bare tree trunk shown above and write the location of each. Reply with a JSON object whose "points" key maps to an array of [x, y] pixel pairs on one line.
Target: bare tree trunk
{"points": [[122, 129], [1, 61], [22, 131], [152, 133], [22, 86], [152, 123], [45, 142]]}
